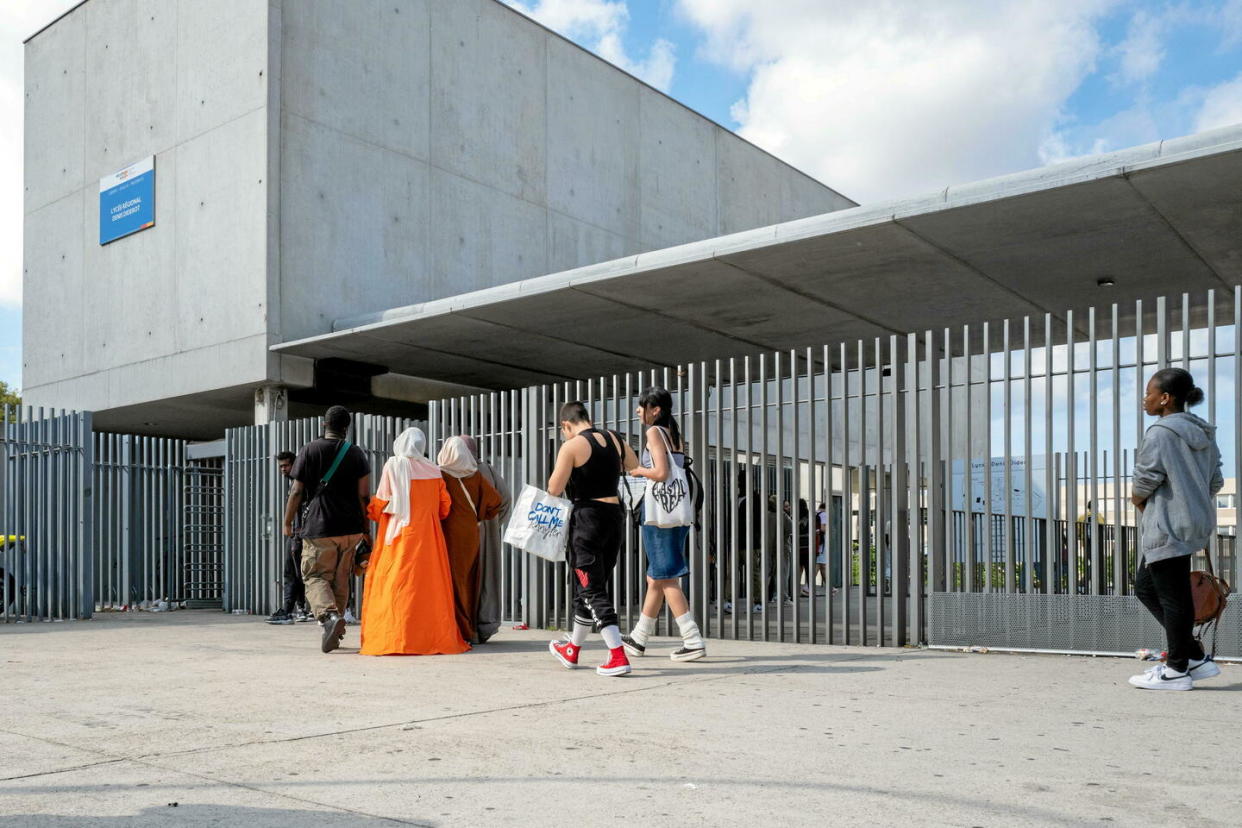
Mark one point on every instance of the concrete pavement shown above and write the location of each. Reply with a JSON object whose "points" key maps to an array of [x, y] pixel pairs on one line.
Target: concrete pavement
{"points": [[111, 721]]}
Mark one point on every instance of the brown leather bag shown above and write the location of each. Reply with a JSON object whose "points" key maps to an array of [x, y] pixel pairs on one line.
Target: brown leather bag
{"points": [[1210, 593]]}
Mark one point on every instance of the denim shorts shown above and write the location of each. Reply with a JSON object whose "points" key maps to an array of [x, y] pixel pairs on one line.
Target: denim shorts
{"points": [[666, 551]]}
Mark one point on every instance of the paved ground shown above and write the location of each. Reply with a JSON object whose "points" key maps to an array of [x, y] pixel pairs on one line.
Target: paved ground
{"points": [[109, 722]]}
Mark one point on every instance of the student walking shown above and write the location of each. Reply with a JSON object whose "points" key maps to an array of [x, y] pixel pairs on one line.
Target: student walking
{"points": [[665, 547], [474, 500], [335, 478], [294, 607], [1176, 477], [407, 598], [590, 464]]}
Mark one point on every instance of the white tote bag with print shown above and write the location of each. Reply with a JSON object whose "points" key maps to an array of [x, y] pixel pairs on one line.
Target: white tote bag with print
{"points": [[667, 503], [539, 524]]}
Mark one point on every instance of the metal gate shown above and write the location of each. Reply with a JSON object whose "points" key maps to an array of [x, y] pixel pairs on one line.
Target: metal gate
{"points": [[204, 533], [957, 466], [139, 558]]}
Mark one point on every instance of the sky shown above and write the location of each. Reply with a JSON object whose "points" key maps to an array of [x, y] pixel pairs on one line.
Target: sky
{"points": [[878, 100]]}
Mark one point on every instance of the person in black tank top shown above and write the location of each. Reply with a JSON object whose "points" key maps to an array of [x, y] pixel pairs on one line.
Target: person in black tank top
{"points": [[590, 464]]}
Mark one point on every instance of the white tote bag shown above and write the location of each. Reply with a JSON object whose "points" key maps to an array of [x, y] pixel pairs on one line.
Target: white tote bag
{"points": [[539, 524], [667, 504]]}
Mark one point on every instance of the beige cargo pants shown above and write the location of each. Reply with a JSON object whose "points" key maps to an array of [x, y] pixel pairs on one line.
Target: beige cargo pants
{"points": [[327, 566]]}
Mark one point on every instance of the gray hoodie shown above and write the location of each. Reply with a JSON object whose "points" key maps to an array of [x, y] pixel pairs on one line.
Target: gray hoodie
{"points": [[1178, 471]]}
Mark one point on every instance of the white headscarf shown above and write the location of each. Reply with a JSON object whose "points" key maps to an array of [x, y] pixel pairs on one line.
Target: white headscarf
{"points": [[407, 463], [457, 459]]}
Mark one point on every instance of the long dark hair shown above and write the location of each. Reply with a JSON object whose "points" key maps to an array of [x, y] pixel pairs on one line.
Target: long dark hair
{"points": [[659, 396], [1178, 384]]}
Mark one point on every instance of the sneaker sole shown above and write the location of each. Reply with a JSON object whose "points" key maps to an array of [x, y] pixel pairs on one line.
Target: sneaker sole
{"points": [[633, 651], [1206, 670], [691, 656], [279, 623], [614, 671], [334, 640], [1168, 685], [566, 663]]}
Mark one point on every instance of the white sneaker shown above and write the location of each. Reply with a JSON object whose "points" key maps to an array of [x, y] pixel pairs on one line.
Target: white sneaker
{"points": [[1161, 677], [757, 608], [349, 617], [1204, 668], [728, 607]]}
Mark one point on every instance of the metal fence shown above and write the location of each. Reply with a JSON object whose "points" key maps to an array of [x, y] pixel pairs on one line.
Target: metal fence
{"points": [[975, 482], [46, 566], [987, 460], [139, 521], [254, 502]]}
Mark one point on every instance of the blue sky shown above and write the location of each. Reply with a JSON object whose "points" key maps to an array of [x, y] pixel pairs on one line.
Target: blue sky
{"points": [[882, 99]]}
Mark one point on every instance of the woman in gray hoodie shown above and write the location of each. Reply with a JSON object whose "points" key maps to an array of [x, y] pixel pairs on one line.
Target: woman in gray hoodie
{"points": [[1176, 477]]}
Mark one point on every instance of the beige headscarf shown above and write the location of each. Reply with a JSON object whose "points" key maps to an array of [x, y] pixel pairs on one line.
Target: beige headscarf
{"points": [[407, 463], [456, 458]]}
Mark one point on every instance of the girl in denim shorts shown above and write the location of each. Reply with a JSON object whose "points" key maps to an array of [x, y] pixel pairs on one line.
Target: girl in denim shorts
{"points": [[666, 548]]}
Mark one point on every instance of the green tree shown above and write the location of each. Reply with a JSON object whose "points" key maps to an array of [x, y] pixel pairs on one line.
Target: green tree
{"points": [[9, 397]]}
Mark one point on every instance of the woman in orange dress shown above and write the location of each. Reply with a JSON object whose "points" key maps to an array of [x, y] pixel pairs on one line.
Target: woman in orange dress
{"points": [[407, 599], [474, 500]]}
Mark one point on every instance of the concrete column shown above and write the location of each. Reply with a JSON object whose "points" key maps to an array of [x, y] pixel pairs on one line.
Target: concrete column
{"points": [[271, 404]]}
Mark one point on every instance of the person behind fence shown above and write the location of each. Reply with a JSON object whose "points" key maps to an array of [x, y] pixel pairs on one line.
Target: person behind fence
{"points": [[665, 548], [407, 596], [294, 607], [590, 464], [335, 477], [750, 534], [473, 500], [1176, 477], [488, 615]]}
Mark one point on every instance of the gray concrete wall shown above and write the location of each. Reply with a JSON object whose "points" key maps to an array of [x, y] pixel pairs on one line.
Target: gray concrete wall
{"points": [[181, 307], [433, 148], [317, 159]]}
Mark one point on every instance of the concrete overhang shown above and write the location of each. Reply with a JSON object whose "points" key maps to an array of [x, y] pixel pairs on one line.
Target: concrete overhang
{"points": [[1160, 219]]}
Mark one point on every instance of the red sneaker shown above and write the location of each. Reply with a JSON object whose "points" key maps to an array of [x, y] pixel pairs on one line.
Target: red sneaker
{"points": [[566, 652], [616, 665]]}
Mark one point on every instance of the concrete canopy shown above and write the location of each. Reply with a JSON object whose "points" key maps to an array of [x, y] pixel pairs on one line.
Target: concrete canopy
{"points": [[1158, 219]]}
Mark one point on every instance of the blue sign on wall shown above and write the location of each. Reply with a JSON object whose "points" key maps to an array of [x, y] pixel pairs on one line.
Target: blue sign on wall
{"points": [[127, 200]]}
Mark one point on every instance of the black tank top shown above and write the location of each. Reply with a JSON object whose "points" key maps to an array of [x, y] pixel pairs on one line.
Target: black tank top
{"points": [[599, 475]]}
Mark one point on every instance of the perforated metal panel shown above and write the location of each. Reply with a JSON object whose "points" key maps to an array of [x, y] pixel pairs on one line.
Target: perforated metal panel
{"points": [[1083, 623]]}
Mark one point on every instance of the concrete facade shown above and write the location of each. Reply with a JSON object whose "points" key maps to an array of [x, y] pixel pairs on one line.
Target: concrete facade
{"points": [[318, 160]]}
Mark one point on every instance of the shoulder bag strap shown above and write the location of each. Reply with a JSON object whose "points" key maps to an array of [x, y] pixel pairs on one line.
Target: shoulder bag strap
{"points": [[336, 462], [469, 499], [323, 481]]}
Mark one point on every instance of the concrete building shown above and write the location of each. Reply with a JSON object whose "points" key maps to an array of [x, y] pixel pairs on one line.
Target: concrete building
{"points": [[316, 160], [384, 202]]}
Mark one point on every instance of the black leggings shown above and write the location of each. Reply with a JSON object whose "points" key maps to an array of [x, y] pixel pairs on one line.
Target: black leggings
{"points": [[1164, 588], [594, 543]]}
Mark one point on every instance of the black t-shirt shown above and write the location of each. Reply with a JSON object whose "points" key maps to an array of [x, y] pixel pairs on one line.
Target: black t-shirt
{"points": [[337, 511]]}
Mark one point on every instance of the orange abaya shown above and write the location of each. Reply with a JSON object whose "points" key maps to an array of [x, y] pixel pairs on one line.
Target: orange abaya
{"points": [[407, 598], [474, 499]]}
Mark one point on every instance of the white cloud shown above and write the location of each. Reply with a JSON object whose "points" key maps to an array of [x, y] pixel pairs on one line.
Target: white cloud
{"points": [[600, 25], [1143, 49], [18, 20], [890, 98], [1230, 23], [1222, 106]]}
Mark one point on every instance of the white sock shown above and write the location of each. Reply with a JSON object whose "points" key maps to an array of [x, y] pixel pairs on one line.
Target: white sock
{"points": [[580, 633], [690, 635], [643, 629], [612, 636]]}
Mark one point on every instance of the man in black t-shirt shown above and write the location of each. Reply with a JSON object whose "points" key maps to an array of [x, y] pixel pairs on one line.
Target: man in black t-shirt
{"points": [[334, 523]]}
